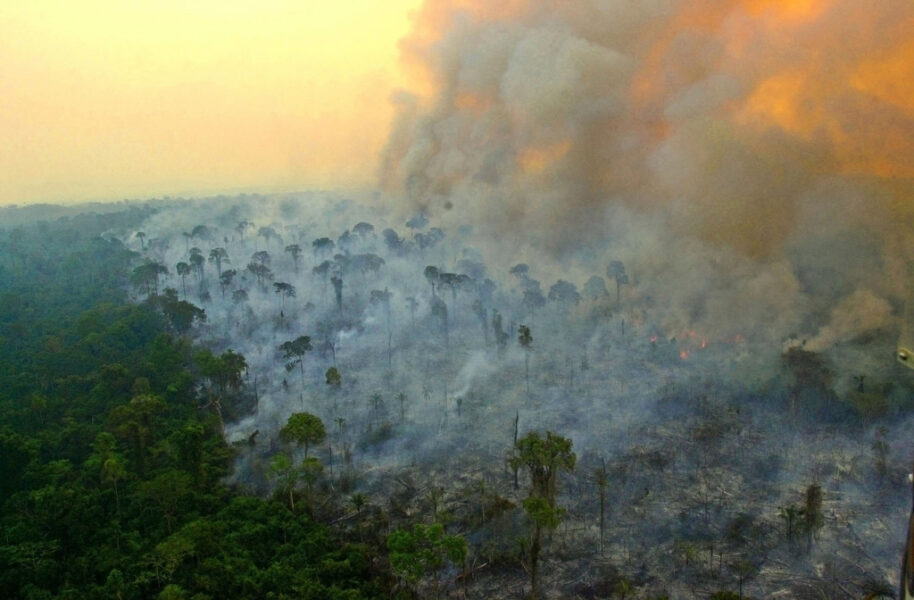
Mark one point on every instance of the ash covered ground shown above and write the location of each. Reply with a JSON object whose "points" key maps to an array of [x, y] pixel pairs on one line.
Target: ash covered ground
{"points": [[706, 392]]}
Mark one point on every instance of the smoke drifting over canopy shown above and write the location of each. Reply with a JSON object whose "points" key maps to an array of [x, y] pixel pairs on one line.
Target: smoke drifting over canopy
{"points": [[738, 174], [731, 118], [750, 160]]}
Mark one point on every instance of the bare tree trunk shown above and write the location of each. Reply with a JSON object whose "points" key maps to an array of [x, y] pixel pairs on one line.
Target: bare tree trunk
{"points": [[534, 561], [527, 370], [516, 421], [602, 517]]}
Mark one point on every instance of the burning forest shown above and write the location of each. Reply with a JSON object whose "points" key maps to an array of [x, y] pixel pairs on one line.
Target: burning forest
{"points": [[617, 320], [731, 426]]}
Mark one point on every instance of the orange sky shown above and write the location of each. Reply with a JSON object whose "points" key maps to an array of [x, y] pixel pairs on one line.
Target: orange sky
{"points": [[109, 100]]}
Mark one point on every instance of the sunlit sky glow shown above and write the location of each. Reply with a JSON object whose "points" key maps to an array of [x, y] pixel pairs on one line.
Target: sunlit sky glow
{"points": [[108, 100]]}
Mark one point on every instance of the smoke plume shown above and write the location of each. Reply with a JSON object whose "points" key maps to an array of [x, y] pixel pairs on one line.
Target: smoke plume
{"points": [[726, 116], [748, 159]]}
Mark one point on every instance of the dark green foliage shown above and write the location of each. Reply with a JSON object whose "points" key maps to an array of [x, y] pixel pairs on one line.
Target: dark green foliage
{"points": [[303, 429], [110, 472], [146, 277], [223, 371], [544, 458], [294, 351], [180, 313], [333, 377], [423, 550]]}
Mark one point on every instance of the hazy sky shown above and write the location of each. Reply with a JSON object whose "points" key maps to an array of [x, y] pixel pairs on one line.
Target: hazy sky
{"points": [[110, 100]]}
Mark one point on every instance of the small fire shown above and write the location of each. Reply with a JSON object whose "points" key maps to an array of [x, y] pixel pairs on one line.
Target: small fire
{"points": [[704, 344], [684, 354], [653, 339]]}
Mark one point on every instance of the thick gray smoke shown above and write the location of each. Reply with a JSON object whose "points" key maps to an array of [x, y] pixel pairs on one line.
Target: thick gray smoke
{"points": [[697, 209], [631, 356], [716, 150]]}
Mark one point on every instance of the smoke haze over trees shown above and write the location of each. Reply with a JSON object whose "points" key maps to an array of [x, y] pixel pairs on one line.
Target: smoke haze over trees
{"points": [[711, 383], [618, 321]]}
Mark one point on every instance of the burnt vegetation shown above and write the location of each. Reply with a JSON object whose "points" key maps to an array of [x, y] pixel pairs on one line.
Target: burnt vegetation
{"points": [[400, 412]]}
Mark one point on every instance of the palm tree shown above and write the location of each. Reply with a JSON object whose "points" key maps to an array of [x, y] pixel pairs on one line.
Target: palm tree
{"points": [[304, 429]]}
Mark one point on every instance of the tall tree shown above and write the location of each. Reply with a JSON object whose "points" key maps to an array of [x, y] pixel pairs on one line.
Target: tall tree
{"points": [[501, 336], [181, 314], [616, 271], [286, 474], [285, 290], [439, 310], [544, 458], [260, 271], [295, 251], [431, 275], [201, 232], [109, 465], [424, 549], [338, 291], [294, 351], [224, 375], [226, 278], [183, 269], [323, 246], [146, 277], [480, 311], [268, 233], [243, 226], [218, 256], [196, 262], [323, 271], [526, 342], [564, 292], [303, 429]]}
